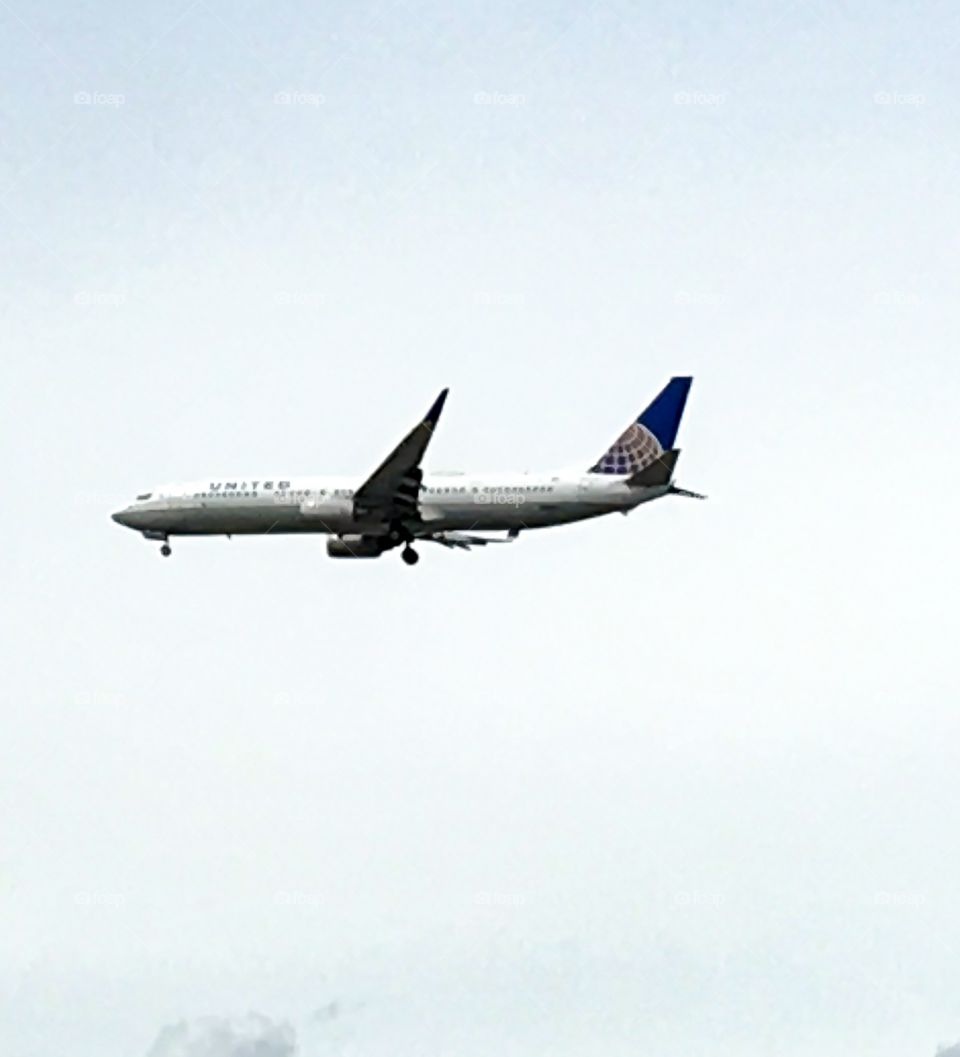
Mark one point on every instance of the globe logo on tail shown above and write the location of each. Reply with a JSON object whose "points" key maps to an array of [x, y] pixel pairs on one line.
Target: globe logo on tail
{"points": [[635, 449]]}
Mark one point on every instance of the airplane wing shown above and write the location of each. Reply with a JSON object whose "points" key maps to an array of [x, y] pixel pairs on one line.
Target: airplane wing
{"points": [[392, 489]]}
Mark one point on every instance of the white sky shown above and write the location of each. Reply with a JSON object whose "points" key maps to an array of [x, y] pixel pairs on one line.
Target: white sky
{"points": [[676, 782]]}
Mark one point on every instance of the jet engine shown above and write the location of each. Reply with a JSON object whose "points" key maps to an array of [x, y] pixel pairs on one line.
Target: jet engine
{"points": [[356, 546]]}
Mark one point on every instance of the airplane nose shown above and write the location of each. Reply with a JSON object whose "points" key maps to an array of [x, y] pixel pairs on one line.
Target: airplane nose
{"points": [[122, 518]]}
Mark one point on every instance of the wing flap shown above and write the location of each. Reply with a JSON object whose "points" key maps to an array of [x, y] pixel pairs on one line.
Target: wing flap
{"points": [[464, 540]]}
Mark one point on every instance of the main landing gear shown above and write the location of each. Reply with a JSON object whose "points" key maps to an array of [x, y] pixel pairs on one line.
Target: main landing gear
{"points": [[400, 534], [165, 550]]}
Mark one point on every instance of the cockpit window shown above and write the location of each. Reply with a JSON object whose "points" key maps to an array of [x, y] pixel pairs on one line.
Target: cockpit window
{"points": [[146, 495]]}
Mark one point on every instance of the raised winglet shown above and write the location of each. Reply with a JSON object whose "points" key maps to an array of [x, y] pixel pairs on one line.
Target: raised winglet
{"points": [[436, 407]]}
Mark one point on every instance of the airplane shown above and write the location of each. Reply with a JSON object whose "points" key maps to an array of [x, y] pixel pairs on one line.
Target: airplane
{"points": [[399, 505]]}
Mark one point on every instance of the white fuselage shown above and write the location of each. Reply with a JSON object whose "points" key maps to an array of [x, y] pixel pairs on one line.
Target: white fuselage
{"points": [[447, 502]]}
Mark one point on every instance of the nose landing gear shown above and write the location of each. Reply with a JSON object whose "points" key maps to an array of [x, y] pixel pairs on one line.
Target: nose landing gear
{"points": [[158, 534], [409, 555]]}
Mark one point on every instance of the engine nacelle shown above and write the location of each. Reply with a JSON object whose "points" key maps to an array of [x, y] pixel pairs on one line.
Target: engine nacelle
{"points": [[355, 547]]}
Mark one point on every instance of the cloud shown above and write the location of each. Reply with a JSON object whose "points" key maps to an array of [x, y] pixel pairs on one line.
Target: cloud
{"points": [[328, 1012], [250, 1036]]}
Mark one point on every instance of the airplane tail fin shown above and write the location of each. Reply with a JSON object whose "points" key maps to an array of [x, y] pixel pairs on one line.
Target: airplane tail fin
{"points": [[651, 437]]}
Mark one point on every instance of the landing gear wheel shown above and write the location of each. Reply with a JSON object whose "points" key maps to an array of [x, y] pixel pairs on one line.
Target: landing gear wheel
{"points": [[410, 556], [165, 550]]}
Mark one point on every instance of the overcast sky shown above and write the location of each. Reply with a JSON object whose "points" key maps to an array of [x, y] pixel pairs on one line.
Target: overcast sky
{"points": [[679, 782]]}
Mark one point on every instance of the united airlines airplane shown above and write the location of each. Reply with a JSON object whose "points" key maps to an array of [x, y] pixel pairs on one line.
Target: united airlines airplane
{"points": [[399, 505]]}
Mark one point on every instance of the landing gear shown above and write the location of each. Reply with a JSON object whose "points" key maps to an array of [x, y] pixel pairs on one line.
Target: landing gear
{"points": [[409, 555], [165, 550]]}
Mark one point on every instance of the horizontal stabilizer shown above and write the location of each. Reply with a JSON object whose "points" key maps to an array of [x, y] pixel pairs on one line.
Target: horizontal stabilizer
{"points": [[657, 473]]}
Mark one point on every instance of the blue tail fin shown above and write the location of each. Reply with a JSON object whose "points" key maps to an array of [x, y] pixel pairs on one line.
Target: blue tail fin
{"points": [[653, 433]]}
